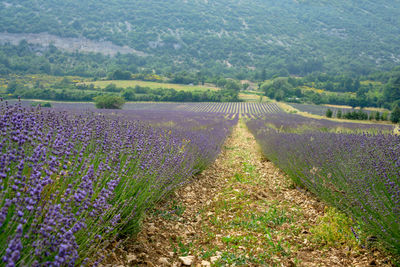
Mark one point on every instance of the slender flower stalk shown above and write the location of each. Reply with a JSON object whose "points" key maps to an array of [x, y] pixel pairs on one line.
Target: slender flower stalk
{"points": [[71, 182]]}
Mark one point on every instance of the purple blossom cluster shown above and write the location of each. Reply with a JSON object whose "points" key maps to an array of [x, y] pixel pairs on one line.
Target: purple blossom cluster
{"points": [[357, 172], [71, 182]]}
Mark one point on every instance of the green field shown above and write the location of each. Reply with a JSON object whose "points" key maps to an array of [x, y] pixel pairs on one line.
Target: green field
{"points": [[253, 96], [32, 80], [153, 85]]}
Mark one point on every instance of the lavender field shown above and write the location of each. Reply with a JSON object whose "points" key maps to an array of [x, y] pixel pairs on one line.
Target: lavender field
{"points": [[354, 167], [321, 110], [284, 122], [76, 180], [72, 182], [222, 108]]}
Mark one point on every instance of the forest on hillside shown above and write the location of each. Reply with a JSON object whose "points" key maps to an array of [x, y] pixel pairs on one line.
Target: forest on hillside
{"points": [[224, 36]]}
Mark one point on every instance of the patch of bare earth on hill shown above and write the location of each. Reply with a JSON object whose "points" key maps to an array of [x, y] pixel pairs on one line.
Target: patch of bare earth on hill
{"points": [[240, 211]]}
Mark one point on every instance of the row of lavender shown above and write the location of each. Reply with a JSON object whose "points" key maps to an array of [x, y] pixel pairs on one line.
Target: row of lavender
{"points": [[72, 182], [359, 173]]}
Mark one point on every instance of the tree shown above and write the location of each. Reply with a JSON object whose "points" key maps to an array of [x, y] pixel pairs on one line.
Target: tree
{"points": [[395, 116], [385, 116], [329, 86], [391, 92], [339, 114], [348, 84], [120, 75], [329, 113], [232, 85], [298, 93], [263, 75], [221, 82], [357, 84], [377, 116], [129, 95], [109, 102], [353, 102], [112, 88], [11, 87]]}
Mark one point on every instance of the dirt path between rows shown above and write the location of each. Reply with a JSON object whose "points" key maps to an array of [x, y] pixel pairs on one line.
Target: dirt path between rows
{"points": [[242, 211]]}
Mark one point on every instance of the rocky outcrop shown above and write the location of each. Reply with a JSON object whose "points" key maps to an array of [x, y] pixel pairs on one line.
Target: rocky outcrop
{"points": [[68, 44]]}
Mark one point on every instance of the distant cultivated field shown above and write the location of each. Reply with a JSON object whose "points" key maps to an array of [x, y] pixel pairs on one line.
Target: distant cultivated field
{"points": [[133, 83], [232, 108], [31, 79], [370, 82], [201, 107], [357, 108], [253, 97], [321, 109]]}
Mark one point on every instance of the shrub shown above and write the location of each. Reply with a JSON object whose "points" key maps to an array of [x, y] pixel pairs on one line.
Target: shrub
{"points": [[329, 113], [109, 102], [42, 104], [339, 114], [395, 116]]}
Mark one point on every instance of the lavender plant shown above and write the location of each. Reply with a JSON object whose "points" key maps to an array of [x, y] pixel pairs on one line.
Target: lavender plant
{"points": [[359, 173], [71, 182]]}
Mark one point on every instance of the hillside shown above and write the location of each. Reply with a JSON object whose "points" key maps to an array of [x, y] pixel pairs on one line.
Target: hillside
{"points": [[289, 36]]}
